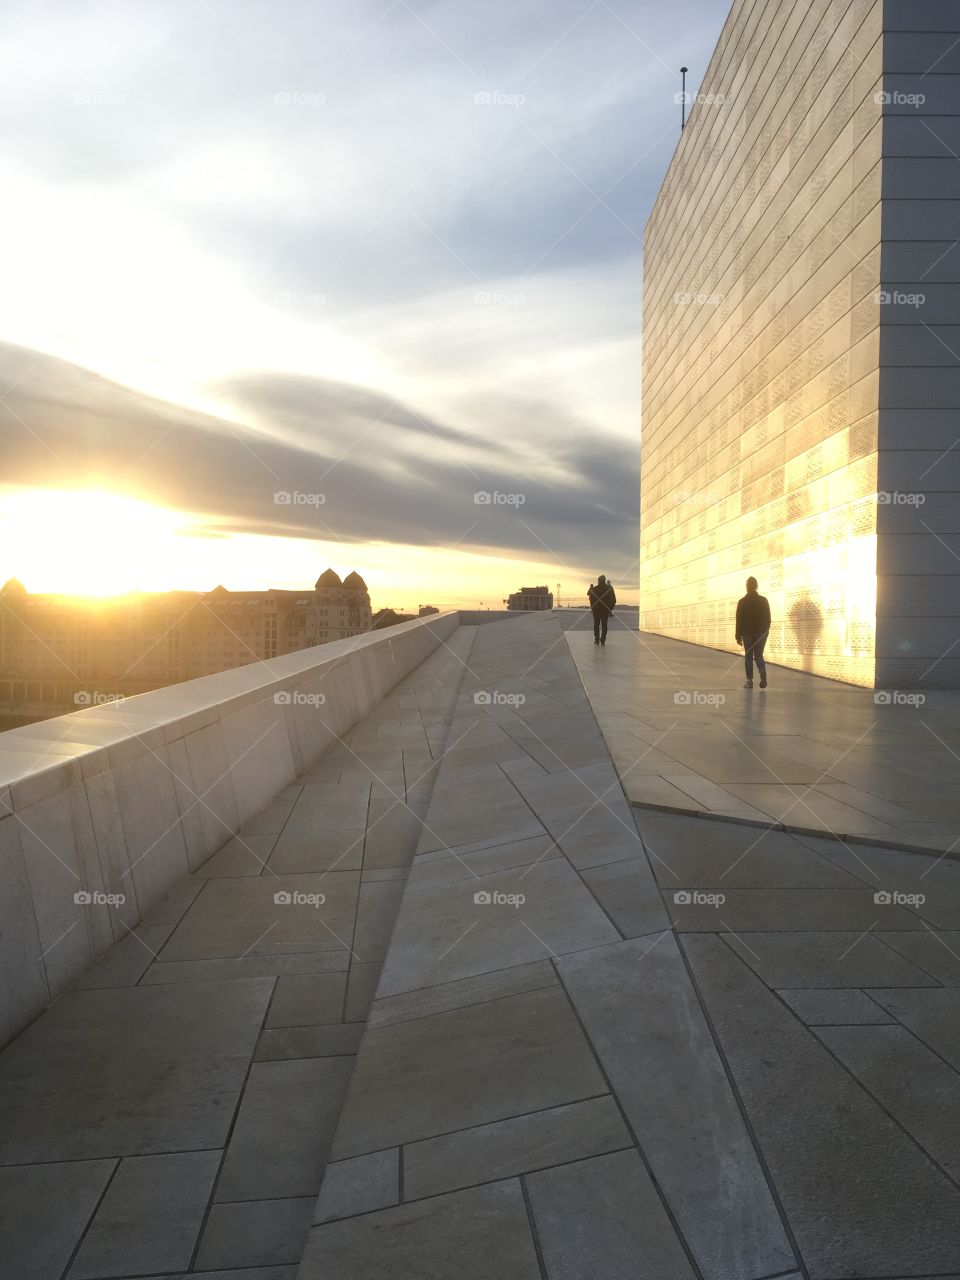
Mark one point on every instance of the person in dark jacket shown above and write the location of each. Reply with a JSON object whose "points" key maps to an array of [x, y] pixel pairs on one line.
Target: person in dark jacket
{"points": [[753, 627], [602, 599]]}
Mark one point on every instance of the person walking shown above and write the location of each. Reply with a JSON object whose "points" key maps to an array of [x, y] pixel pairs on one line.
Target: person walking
{"points": [[753, 627], [602, 599]]}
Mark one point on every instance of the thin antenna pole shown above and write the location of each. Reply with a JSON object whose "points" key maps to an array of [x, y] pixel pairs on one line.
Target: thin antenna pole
{"points": [[683, 99]]}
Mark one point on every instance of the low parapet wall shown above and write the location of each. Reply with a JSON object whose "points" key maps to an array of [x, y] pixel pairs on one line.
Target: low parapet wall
{"points": [[102, 811]]}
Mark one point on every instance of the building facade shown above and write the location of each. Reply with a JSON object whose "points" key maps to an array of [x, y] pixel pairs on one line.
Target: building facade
{"points": [[53, 648], [530, 599], [801, 375]]}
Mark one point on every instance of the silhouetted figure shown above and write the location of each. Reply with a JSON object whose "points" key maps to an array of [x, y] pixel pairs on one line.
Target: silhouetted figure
{"points": [[602, 599], [753, 627]]}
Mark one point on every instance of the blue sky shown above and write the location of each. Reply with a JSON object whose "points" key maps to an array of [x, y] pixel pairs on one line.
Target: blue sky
{"points": [[388, 250]]}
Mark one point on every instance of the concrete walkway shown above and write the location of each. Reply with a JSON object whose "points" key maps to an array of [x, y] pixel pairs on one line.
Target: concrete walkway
{"points": [[704, 1050], [809, 754], [173, 1112]]}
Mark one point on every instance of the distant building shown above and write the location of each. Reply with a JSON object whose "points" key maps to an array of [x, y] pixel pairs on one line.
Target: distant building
{"points": [[55, 647], [426, 609], [530, 599]]}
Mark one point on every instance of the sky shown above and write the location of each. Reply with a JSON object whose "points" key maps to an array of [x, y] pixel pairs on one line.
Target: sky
{"points": [[289, 283]]}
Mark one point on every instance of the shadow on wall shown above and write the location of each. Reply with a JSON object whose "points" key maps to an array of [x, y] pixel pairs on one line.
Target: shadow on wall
{"points": [[807, 622]]}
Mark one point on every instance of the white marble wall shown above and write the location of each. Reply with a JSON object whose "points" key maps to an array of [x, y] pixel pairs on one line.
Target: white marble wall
{"points": [[126, 799]]}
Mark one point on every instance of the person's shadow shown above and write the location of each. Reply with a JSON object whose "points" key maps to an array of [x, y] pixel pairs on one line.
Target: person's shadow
{"points": [[806, 619]]}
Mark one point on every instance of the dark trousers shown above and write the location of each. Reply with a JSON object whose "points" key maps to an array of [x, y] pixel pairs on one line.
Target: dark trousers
{"points": [[600, 619], [753, 648]]}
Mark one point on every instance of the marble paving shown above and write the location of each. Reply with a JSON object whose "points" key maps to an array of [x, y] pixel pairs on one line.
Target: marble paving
{"points": [[531, 1029], [806, 754]]}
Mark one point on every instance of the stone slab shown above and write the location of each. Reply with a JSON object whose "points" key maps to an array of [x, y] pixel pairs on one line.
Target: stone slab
{"points": [[360, 1185], [480, 1234], [490, 1152], [283, 1130], [819, 1007], [309, 1042], [309, 999], [638, 1006], [46, 1208], [860, 1197], [151, 1216], [459, 994], [131, 1071], [257, 1233], [827, 960], [465, 1067], [603, 1217]]}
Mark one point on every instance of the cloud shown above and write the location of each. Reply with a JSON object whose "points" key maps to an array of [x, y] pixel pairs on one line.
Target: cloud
{"points": [[384, 471]]}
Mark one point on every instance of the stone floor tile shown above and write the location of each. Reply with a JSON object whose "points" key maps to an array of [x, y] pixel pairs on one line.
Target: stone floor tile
{"points": [[284, 1128], [508, 1147], [251, 966], [172, 908], [486, 1062], [313, 817], [360, 1185], [362, 983], [241, 856], [936, 952], [333, 1041], [46, 1208], [908, 1080], [628, 893], [782, 910], [131, 1071], [393, 830], [235, 917], [680, 1105], [297, 852], [376, 912], [603, 1217], [933, 1015], [457, 931], [826, 960], [150, 1217], [308, 999], [480, 1234], [127, 960], [446, 865], [860, 1197], [466, 991], [255, 1233], [819, 1007]]}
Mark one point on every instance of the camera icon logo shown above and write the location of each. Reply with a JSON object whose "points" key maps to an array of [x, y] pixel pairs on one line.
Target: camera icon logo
{"points": [[482, 898], [283, 499], [283, 698], [682, 698], [882, 898], [883, 698], [282, 898], [82, 698], [483, 499], [482, 699], [83, 897], [682, 897]]}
